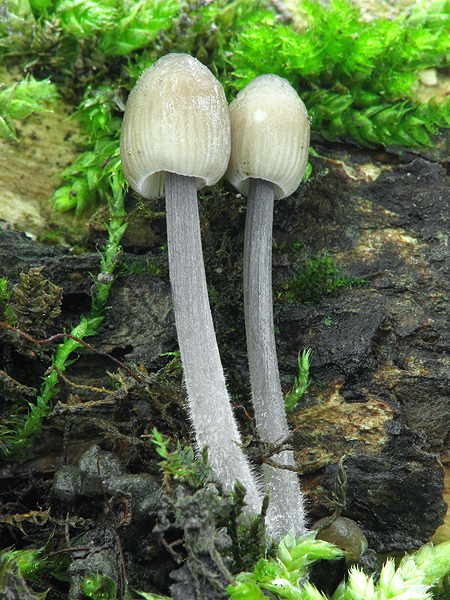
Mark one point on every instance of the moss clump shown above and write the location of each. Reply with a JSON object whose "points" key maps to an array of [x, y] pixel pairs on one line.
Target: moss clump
{"points": [[311, 279], [356, 77]]}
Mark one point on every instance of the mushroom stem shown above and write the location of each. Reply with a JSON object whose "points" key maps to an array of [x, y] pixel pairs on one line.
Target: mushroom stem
{"points": [[209, 402], [286, 505]]}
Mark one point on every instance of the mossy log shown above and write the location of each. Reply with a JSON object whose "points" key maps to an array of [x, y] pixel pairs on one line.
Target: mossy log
{"points": [[380, 391]]}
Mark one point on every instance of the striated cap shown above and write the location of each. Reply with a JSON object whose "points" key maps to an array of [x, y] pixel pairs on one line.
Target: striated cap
{"points": [[269, 136], [176, 119]]}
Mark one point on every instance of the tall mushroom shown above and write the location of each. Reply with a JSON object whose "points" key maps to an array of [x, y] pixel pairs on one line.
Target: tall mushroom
{"points": [[175, 139], [269, 154]]}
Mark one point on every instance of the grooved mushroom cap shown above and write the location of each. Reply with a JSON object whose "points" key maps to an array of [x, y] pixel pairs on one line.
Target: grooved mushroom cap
{"points": [[269, 136], [176, 119]]}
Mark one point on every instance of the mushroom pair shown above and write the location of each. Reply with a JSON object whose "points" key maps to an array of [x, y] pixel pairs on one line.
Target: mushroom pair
{"points": [[176, 138]]}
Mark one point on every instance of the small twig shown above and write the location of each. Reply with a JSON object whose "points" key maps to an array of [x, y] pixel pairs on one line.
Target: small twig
{"points": [[70, 550], [275, 449], [248, 416], [111, 429], [72, 337], [279, 447], [170, 549], [60, 409], [275, 465], [80, 386], [339, 493]]}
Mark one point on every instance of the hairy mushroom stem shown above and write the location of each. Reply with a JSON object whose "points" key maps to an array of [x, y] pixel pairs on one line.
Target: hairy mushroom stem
{"points": [[175, 139], [209, 401], [269, 154], [286, 508]]}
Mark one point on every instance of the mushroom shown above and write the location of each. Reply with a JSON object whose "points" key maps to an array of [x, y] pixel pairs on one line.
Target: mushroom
{"points": [[175, 139], [269, 154]]}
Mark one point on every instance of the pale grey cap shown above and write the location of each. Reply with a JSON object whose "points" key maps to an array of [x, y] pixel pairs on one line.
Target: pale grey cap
{"points": [[269, 136], [176, 119]]}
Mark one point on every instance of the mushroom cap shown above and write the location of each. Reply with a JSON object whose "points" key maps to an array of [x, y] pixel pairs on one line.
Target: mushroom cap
{"points": [[269, 136], [176, 119]]}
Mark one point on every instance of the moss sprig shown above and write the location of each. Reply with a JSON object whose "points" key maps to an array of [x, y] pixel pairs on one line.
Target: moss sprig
{"points": [[37, 302], [285, 575], [78, 26], [301, 382], [6, 310], [88, 177], [17, 27], [419, 576], [30, 306], [181, 463], [311, 278], [19, 100]]}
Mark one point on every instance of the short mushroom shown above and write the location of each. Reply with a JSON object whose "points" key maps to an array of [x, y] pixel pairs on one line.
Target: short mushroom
{"points": [[175, 139], [269, 154]]}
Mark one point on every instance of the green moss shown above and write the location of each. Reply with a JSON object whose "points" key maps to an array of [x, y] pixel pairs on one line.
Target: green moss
{"points": [[301, 382], [356, 77], [99, 587], [19, 100], [149, 265], [354, 84], [311, 279]]}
